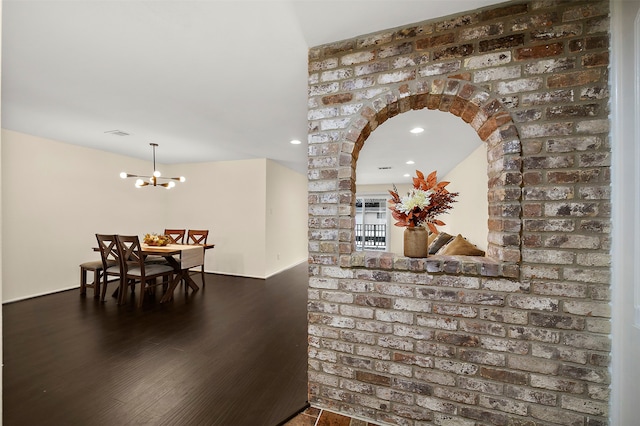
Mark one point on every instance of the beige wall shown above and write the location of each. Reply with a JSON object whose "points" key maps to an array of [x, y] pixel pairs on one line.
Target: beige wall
{"points": [[1, 297], [286, 218], [59, 195], [469, 214], [228, 198], [255, 210], [55, 197]]}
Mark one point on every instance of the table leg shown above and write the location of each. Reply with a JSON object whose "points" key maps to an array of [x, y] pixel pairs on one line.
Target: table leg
{"points": [[180, 274], [168, 295], [187, 279]]}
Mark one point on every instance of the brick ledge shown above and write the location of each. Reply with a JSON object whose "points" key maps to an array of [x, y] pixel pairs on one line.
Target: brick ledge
{"points": [[434, 264]]}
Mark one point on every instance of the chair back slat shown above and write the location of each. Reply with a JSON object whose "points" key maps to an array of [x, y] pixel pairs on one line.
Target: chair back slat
{"points": [[108, 246], [129, 251], [176, 235], [197, 236]]}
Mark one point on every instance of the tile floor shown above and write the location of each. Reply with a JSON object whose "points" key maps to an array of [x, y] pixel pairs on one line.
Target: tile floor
{"points": [[317, 417]]}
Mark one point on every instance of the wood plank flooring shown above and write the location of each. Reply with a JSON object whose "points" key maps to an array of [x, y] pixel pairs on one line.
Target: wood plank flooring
{"points": [[233, 354]]}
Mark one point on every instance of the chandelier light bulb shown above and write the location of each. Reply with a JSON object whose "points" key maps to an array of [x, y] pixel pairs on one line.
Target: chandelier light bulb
{"points": [[156, 178]]}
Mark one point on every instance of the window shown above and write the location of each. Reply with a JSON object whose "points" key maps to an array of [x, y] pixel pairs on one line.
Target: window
{"points": [[371, 223]]}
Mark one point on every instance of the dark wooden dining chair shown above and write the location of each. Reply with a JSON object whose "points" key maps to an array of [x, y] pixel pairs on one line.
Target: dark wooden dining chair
{"points": [[176, 235], [198, 236], [136, 270], [94, 266], [108, 247]]}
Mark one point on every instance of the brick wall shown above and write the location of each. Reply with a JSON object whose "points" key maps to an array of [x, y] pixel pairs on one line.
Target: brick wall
{"points": [[521, 336]]}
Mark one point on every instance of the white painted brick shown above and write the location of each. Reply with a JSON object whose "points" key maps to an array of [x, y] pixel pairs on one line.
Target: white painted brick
{"points": [[357, 58], [394, 316], [395, 343], [592, 126], [437, 322], [419, 333], [488, 60], [356, 311], [373, 352], [534, 303], [596, 309], [412, 305], [518, 86], [320, 282], [456, 367], [587, 406], [337, 297], [503, 404], [393, 369], [435, 404]]}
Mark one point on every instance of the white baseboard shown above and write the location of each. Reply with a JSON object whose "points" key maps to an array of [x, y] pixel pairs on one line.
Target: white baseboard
{"points": [[254, 276], [46, 293]]}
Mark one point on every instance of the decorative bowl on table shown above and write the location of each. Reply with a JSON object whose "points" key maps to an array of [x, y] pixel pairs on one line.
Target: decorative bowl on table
{"points": [[156, 240]]}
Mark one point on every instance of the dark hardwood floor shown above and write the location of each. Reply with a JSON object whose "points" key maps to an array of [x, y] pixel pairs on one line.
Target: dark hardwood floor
{"points": [[232, 354]]}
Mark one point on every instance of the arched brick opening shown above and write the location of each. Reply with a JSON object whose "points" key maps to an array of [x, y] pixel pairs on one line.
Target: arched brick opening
{"points": [[493, 124]]}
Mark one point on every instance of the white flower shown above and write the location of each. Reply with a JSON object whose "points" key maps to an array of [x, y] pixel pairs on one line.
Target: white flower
{"points": [[415, 198]]}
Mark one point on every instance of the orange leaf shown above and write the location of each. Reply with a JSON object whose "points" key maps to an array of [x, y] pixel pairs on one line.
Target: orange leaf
{"points": [[432, 179]]}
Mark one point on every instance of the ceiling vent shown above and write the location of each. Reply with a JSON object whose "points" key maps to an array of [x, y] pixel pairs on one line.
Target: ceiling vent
{"points": [[118, 133], [384, 168]]}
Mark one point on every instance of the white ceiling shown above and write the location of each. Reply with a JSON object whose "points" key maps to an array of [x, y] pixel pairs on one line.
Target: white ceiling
{"points": [[392, 145], [206, 80]]}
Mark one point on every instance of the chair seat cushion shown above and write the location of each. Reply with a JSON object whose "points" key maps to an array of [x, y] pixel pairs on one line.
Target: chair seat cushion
{"points": [[92, 265], [115, 269], [151, 269]]}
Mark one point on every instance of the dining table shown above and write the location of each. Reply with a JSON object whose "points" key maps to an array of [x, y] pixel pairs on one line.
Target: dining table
{"points": [[181, 257]]}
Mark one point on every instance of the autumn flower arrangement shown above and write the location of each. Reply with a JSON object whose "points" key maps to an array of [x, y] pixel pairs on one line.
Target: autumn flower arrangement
{"points": [[428, 199], [156, 240]]}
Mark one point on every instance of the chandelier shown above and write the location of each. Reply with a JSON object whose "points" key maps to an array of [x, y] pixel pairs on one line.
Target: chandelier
{"points": [[154, 178]]}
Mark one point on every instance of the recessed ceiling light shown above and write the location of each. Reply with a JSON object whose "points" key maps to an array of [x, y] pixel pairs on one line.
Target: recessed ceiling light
{"points": [[295, 142], [411, 162], [406, 175], [416, 130]]}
